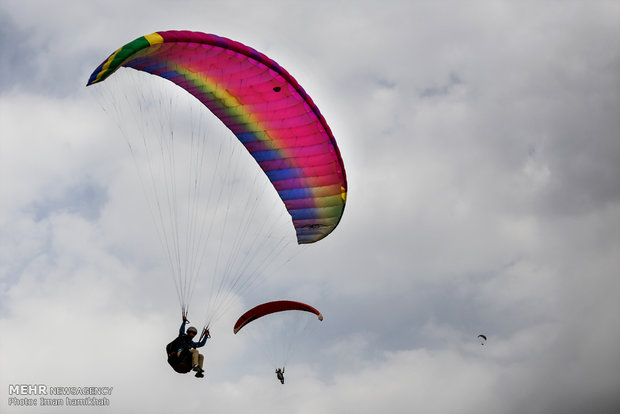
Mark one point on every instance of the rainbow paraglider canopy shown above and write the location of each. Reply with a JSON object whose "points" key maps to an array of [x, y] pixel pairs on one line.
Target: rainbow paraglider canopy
{"points": [[264, 106]]}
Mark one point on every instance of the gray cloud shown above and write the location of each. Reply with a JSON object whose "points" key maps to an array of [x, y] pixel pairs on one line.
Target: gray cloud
{"points": [[481, 146]]}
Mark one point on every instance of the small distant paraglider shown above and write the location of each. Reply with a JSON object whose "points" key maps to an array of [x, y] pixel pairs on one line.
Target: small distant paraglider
{"points": [[483, 338], [283, 345]]}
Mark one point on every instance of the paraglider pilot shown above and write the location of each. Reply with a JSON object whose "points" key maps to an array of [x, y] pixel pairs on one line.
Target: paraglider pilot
{"points": [[280, 374], [186, 343]]}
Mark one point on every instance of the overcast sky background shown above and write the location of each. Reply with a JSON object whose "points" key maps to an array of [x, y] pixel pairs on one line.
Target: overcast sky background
{"points": [[482, 148]]}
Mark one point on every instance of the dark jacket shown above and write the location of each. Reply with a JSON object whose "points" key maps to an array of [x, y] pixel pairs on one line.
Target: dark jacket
{"points": [[186, 342]]}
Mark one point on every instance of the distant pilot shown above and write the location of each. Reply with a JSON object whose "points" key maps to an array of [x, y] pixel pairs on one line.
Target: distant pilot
{"points": [[280, 374]]}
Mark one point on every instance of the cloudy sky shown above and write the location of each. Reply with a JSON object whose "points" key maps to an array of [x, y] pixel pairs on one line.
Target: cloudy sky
{"points": [[482, 148]]}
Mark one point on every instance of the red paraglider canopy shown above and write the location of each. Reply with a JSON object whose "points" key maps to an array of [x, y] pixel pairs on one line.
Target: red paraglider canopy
{"points": [[273, 307]]}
